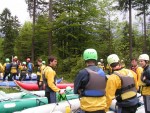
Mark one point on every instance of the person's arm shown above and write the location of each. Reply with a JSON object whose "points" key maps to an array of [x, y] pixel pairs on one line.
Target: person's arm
{"points": [[146, 77], [135, 76], [80, 81], [112, 85], [2, 68], [50, 75], [139, 71]]}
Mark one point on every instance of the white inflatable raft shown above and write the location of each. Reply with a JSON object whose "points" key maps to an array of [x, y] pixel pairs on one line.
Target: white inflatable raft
{"points": [[19, 95], [54, 108], [75, 104]]}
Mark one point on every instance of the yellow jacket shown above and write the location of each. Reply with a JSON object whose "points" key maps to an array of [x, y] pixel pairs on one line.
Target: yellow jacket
{"points": [[23, 68], [42, 69], [114, 83], [50, 76], [93, 103], [1, 68], [139, 71], [108, 67], [101, 66], [145, 90], [4, 66]]}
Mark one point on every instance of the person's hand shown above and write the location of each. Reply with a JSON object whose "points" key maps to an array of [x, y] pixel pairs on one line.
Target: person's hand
{"points": [[40, 83], [61, 91], [144, 78]]}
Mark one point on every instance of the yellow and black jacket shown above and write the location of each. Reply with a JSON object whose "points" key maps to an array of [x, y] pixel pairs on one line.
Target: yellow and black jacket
{"points": [[49, 78], [145, 90], [120, 81]]}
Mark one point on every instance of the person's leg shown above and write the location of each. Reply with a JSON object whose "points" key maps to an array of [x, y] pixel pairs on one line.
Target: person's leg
{"points": [[146, 103], [24, 77], [14, 75], [10, 77], [5, 75], [47, 94], [52, 97], [29, 74]]}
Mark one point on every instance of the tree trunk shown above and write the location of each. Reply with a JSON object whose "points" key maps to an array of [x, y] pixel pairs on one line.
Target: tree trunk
{"points": [[145, 44], [110, 39], [130, 28], [50, 31], [33, 28]]}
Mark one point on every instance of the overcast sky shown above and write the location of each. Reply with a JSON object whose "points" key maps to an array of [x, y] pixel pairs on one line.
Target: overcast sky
{"points": [[16, 7], [19, 8]]}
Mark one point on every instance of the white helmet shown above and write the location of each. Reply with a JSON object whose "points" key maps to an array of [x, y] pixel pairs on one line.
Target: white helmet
{"points": [[101, 60], [113, 58], [144, 57], [99, 63]]}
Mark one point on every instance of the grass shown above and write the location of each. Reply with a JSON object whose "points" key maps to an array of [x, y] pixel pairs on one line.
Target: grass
{"points": [[8, 90]]}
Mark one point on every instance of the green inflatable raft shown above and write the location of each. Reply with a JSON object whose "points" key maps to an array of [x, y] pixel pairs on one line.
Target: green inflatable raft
{"points": [[29, 100]]}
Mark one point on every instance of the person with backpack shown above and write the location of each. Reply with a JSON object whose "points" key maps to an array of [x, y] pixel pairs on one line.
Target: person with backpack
{"points": [[145, 81], [30, 68], [23, 71], [40, 69], [7, 67], [121, 84], [13, 70], [1, 70], [90, 84]]}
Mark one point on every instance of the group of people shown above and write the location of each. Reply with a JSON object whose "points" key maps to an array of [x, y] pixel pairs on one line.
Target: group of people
{"points": [[46, 75], [14, 68], [97, 90]]}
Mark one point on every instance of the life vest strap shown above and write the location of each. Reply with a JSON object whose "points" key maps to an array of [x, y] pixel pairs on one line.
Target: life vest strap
{"points": [[128, 87]]}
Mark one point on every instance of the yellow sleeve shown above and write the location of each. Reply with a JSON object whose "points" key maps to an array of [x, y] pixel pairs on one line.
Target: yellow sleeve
{"points": [[42, 69], [1, 68], [113, 83], [135, 79], [50, 75], [20, 67], [139, 71], [4, 66]]}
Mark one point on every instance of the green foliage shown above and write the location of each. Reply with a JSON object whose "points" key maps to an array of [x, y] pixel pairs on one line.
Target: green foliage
{"points": [[23, 42], [1, 48], [76, 26], [68, 68], [9, 27]]}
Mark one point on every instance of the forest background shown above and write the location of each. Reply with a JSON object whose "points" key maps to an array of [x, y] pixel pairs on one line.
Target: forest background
{"points": [[65, 28]]}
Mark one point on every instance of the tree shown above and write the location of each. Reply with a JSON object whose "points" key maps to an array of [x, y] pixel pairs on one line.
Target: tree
{"points": [[10, 28], [125, 5], [23, 43], [142, 6]]}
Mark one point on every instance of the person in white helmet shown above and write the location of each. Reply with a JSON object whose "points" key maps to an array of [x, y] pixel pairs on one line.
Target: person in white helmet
{"points": [[145, 81], [121, 84]]}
